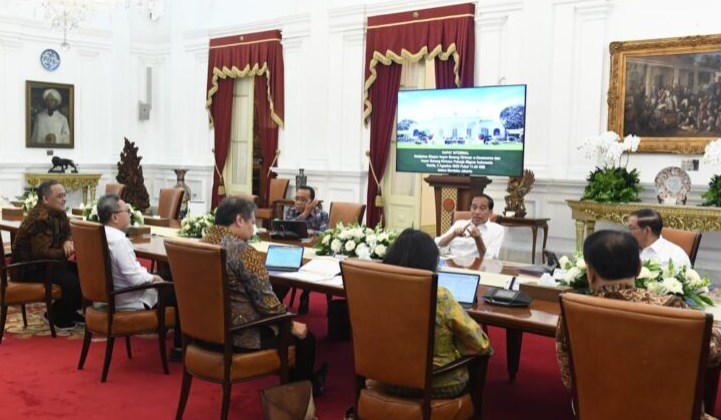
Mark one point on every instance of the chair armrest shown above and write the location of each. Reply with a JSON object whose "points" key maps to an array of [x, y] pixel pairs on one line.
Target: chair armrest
{"points": [[157, 221], [141, 287], [35, 262], [274, 319], [463, 361]]}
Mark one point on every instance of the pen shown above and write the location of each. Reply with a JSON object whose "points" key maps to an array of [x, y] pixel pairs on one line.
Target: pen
{"points": [[468, 225], [513, 281]]}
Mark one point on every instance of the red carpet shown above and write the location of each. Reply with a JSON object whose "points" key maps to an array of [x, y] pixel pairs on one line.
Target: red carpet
{"points": [[40, 380]]}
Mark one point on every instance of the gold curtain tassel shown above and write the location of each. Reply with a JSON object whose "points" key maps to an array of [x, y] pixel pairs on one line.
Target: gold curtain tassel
{"points": [[221, 189], [379, 200]]}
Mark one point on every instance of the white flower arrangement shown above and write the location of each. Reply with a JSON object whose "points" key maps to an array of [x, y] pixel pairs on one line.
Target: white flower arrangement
{"points": [[355, 241], [195, 226], [712, 153], [671, 280], [607, 148], [30, 200], [660, 280]]}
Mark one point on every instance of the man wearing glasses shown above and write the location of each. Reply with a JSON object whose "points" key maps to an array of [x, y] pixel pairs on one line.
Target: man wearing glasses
{"points": [[309, 209], [126, 270], [645, 226], [306, 208], [45, 234]]}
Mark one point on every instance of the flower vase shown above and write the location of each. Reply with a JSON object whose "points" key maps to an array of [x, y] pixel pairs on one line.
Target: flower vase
{"points": [[180, 183]]}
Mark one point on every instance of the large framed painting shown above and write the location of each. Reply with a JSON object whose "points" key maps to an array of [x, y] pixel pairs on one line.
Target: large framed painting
{"points": [[49, 115], [667, 91]]}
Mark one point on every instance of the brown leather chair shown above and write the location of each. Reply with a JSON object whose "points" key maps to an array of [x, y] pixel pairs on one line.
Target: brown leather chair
{"points": [[634, 360], [169, 204], [382, 355], [22, 293], [278, 190], [96, 284], [346, 213], [688, 240], [207, 328], [114, 188]]}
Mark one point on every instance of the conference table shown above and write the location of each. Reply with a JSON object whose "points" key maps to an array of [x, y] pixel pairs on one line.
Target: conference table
{"points": [[540, 317]]}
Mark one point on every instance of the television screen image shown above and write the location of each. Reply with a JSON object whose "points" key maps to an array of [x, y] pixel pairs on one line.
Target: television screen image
{"points": [[467, 131]]}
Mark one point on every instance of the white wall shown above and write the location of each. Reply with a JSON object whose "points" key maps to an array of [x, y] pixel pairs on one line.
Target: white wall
{"points": [[558, 47]]}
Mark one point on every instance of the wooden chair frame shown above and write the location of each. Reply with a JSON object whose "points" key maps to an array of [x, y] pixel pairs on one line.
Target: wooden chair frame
{"points": [[477, 364], [160, 329], [284, 338], [6, 288]]}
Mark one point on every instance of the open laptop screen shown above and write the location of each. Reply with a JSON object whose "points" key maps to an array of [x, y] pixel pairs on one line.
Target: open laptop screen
{"points": [[462, 286], [288, 258], [295, 229]]}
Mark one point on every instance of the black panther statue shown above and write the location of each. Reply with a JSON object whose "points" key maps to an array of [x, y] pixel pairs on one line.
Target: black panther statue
{"points": [[61, 165]]}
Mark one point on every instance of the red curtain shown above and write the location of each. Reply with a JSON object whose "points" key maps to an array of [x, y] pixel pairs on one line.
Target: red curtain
{"points": [[268, 132], [257, 55], [444, 33]]}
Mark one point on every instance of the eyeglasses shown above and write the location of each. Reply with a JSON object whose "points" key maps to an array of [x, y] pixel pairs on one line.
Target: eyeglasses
{"points": [[122, 211], [302, 199]]}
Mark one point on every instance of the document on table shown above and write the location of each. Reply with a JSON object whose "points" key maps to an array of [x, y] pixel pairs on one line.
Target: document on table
{"points": [[319, 269]]}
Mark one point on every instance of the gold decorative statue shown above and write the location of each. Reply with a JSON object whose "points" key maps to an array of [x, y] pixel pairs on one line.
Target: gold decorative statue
{"points": [[518, 187]]}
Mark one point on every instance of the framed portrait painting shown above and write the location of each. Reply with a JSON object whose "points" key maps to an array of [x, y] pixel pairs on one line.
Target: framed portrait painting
{"points": [[49, 115], [667, 91]]}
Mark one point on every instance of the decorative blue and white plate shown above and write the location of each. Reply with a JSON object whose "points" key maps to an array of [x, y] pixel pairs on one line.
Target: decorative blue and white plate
{"points": [[50, 59]]}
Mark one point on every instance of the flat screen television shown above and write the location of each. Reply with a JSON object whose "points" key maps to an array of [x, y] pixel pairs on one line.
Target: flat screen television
{"points": [[465, 131]]}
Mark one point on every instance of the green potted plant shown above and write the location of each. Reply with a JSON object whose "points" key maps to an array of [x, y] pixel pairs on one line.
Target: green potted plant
{"points": [[612, 182], [712, 156]]}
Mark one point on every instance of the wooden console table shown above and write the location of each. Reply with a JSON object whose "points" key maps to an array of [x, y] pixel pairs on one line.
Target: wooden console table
{"points": [[586, 213], [87, 183], [534, 224]]}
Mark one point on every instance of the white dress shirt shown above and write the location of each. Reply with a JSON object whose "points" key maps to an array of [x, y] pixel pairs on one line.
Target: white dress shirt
{"points": [[127, 272], [465, 246], [663, 251]]}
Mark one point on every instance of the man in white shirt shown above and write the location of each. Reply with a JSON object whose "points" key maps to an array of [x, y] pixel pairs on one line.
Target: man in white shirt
{"points": [[645, 225], [125, 268], [51, 126], [476, 237]]}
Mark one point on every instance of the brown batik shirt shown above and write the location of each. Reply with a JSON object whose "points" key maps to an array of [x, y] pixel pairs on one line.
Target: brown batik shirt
{"points": [[41, 235], [251, 294]]}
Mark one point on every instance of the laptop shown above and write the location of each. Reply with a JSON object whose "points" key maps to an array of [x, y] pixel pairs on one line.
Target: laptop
{"points": [[289, 229], [283, 259], [463, 286]]}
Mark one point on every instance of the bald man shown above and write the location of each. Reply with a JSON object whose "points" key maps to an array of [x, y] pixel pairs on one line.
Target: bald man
{"points": [[51, 127]]}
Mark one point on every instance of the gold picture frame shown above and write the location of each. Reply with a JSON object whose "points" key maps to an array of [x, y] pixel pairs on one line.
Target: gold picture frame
{"points": [[667, 91], [45, 127]]}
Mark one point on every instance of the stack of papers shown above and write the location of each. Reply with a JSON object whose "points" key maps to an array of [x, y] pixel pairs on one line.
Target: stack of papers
{"points": [[319, 269]]}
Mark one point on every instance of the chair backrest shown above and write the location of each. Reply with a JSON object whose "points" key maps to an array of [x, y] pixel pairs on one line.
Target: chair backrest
{"points": [[346, 213], [247, 196], [688, 240], [93, 258], [278, 190], [393, 343], [114, 188], [635, 360], [461, 215], [201, 289], [169, 202]]}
